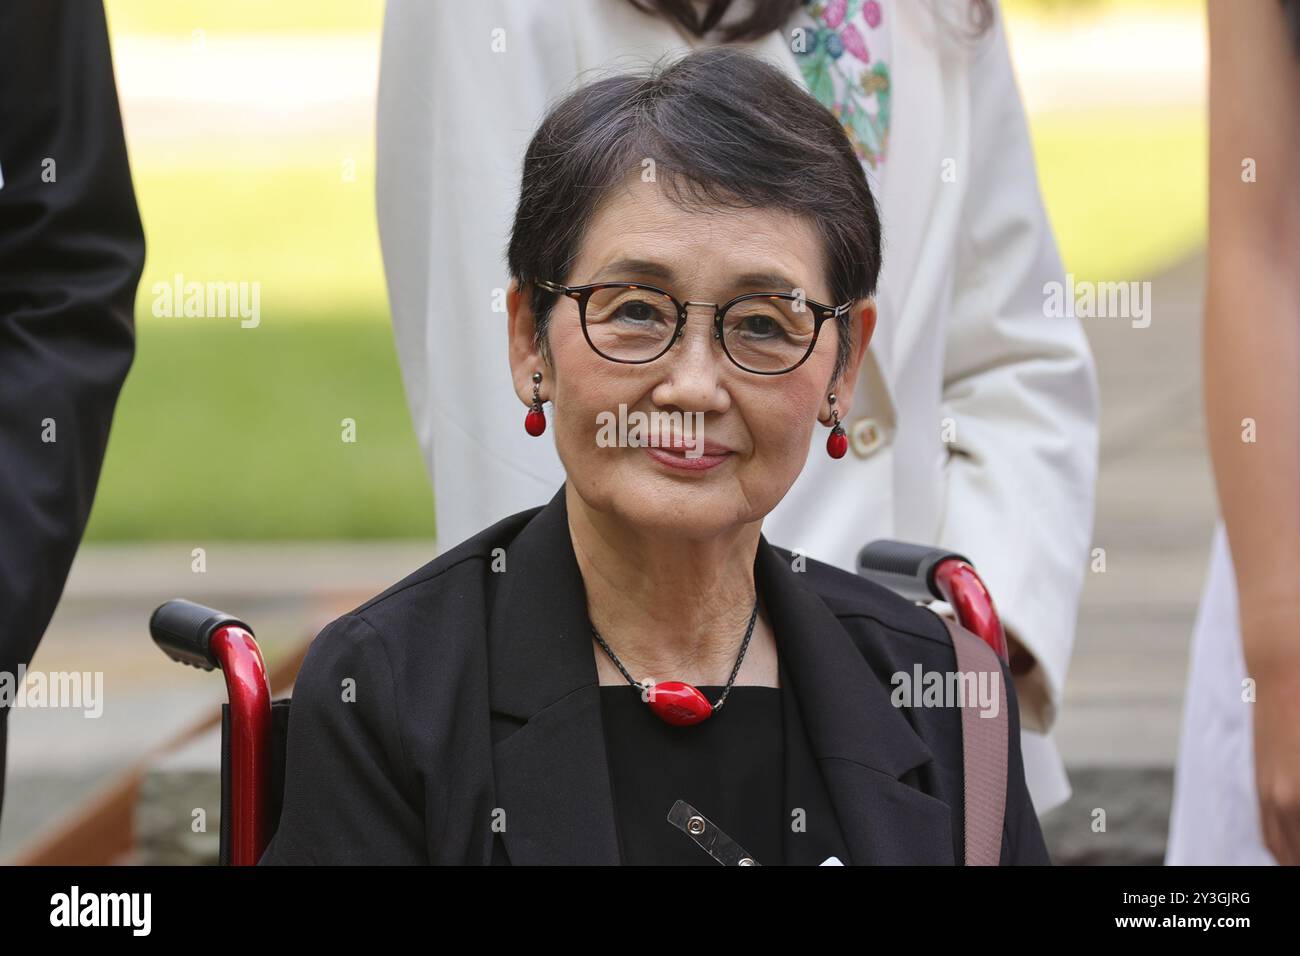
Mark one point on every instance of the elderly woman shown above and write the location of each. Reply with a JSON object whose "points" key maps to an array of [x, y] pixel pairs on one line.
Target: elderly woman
{"points": [[696, 248]]}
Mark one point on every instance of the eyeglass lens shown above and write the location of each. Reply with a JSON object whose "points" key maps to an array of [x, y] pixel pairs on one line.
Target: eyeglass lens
{"points": [[766, 334]]}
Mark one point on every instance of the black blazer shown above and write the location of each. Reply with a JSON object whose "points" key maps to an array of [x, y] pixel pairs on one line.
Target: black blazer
{"points": [[473, 733]]}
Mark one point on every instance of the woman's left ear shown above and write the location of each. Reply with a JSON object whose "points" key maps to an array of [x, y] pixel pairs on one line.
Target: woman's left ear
{"points": [[864, 315]]}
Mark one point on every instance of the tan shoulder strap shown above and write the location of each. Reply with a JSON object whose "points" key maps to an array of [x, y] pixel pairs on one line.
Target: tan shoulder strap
{"points": [[984, 743]]}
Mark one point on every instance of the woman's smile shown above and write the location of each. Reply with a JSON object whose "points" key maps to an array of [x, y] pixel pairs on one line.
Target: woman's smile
{"points": [[677, 458]]}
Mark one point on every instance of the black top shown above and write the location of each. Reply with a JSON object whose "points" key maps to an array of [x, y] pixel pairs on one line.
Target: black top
{"points": [[475, 734], [728, 767], [749, 768]]}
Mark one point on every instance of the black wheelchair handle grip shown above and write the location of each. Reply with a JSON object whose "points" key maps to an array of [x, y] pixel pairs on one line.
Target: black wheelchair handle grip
{"points": [[184, 631], [904, 567]]}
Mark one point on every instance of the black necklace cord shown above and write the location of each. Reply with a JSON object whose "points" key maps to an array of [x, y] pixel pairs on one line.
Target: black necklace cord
{"points": [[744, 646]]}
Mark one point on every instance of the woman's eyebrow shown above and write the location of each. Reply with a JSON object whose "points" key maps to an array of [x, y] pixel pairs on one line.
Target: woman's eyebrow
{"points": [[621, 268], [766, 281]]}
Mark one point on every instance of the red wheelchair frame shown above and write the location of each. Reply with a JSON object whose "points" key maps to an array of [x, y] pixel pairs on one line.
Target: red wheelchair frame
{"points": [[205, 638]]}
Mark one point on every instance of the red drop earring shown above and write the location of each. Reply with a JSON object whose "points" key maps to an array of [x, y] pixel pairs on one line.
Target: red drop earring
{"points": [[837, 442], [535, 420]]}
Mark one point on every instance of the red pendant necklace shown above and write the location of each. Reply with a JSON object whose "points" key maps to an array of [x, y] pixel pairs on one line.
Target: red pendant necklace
{"points": [[677, 702]]}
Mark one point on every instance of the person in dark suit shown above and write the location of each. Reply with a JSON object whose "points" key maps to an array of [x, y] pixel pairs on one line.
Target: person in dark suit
{"points": [[71, 255], [548, 690]]}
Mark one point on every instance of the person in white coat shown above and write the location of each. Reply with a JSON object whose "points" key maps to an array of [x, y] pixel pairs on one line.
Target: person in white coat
{"points": [[974, 424]]}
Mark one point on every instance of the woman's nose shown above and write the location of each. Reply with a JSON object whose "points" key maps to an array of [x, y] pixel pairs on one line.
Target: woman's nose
{"points": [[694, 366]]}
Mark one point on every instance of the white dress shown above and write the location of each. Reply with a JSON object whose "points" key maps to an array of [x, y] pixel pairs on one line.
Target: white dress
{"points": [[1215, 815]]}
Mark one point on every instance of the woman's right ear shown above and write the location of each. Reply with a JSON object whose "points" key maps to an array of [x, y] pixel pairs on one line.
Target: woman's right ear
{"points": [[525, 358]]}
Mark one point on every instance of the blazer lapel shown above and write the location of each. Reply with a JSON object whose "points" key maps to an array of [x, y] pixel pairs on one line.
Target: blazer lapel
{"points": [[552, 777], [861, 743], [819, 836]]}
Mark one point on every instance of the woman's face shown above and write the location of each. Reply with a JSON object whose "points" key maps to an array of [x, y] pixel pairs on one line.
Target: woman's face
{"points": [[761, 425]]}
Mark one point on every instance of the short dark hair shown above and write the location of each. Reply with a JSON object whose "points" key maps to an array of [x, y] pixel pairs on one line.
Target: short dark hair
{"points": [[724, 128]]}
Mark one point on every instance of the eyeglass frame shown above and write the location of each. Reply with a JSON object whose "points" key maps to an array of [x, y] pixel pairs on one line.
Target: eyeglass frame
{"points": [[582, 293]]}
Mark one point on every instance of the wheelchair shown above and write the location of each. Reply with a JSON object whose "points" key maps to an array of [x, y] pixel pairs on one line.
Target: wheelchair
{"points": [[254, 728]]}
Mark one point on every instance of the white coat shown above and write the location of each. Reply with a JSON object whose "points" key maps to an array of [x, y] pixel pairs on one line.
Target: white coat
{"points": [[974, 423]]}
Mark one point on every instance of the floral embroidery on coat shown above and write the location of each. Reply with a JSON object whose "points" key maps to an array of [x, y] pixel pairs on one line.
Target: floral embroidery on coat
{"points": [[841, 56]]}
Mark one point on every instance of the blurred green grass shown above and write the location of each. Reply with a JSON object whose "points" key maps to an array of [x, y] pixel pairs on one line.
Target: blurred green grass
{"points": [[229, 433], [1125, 189], [290, 221], [1084, 8], [172, 18], [232, 433]]}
